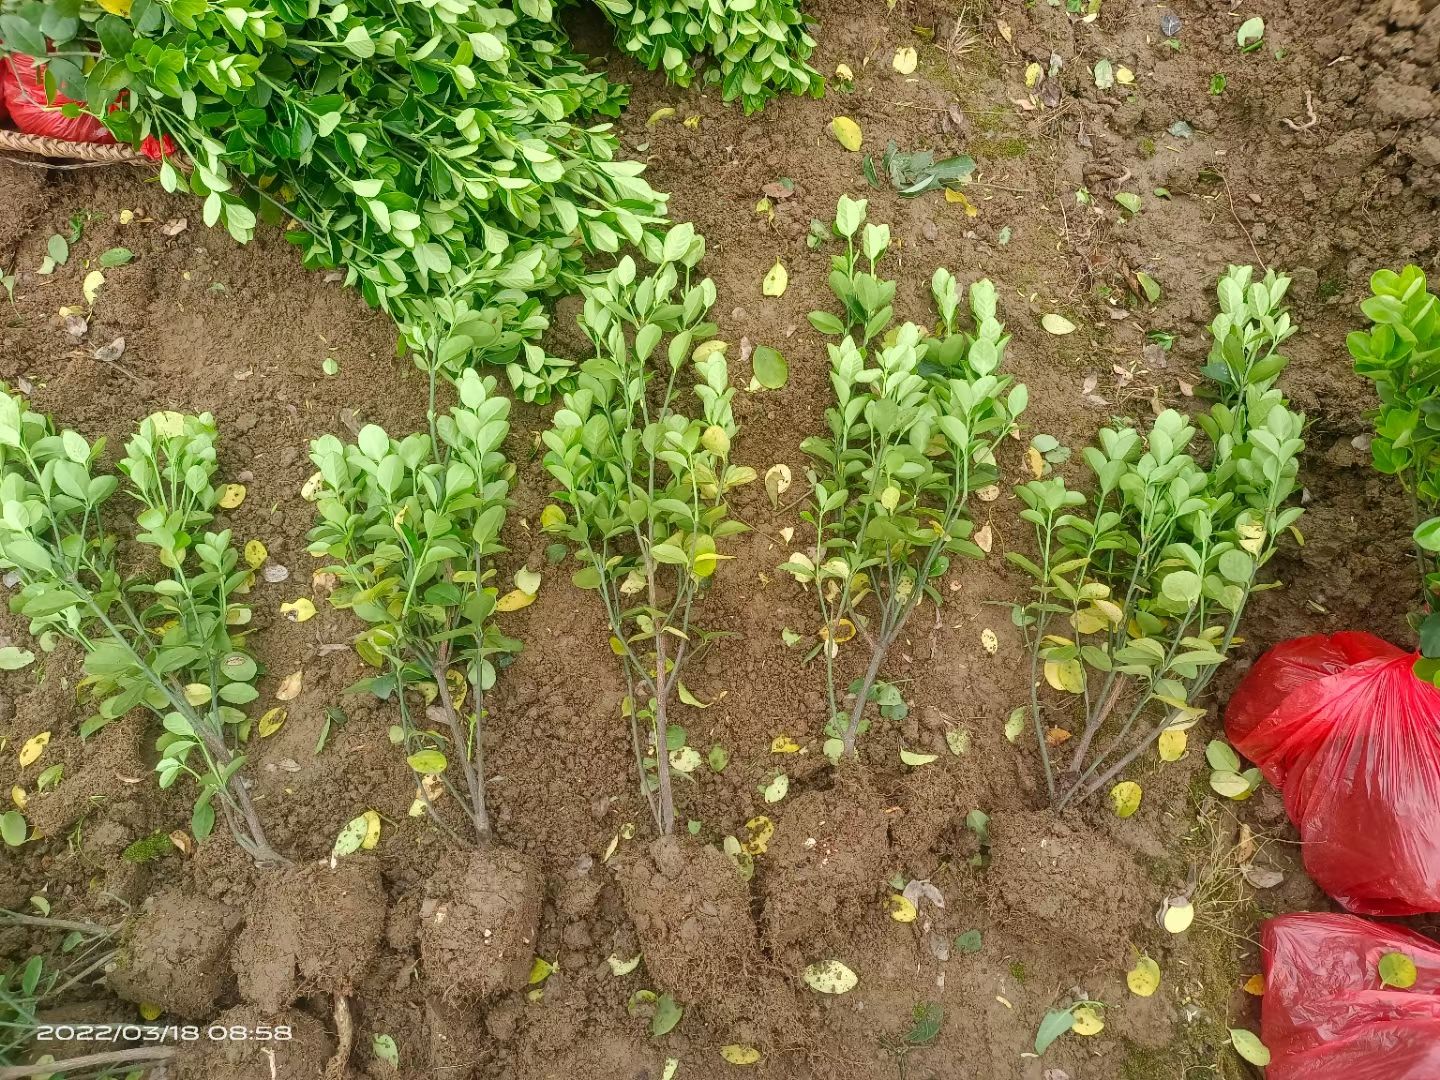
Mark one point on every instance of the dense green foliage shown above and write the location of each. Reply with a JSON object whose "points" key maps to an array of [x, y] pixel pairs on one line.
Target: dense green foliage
{"points": [[1142, 580], [1400, 354], [913, 433], [755, 49], [174, 647], [645, 481], [443, 154], [410, 526]]}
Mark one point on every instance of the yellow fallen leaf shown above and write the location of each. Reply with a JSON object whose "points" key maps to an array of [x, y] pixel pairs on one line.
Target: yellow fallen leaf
{"points": [[514, 600], [783, 744], [662, 113], [255, 554], [1087, 1020], [1055, 736], [1144, 978], [844, 631], [540, 970], [290, 686], [776, 281], [1172, 744], [693, 121], [989, 641], [959, 199], [126, 216], [33, 748], [18, 797], [1005, 31], [1254, 985], [1124, 76], [847, 133], [739, 1054], [900, 908], [905, 61], [1036, 461], [90, 288], [372, 830], [301, 610], [271, 722], [148, 1010], [552, 517], [1033, 74], [1125, 798], [231, 496], [1178, 917], [843, 73]]}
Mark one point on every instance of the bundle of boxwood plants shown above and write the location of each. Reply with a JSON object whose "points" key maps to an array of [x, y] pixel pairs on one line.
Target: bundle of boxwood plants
{"points": [[430, 151], [913, 432], [410, 526], [644, 480], [165, 635], [1142, 579], [753, 49], [1400, 354]]}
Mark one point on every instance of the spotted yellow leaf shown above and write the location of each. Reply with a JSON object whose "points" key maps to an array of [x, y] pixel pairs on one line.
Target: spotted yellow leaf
{"points": [[255, 554], [900, 908], [271, 722], [1067, 675], [33, 748], [1171, 744], [783, 744], [1144, 978], [231, 496], [1087, 1020], [372, 830], [740, 1054], [301, 610]]}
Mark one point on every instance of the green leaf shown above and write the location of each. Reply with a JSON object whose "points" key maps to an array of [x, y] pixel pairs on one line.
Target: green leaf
{"points": [[117, 256], [1248, 1045], [771, 369], [58, 249], [1221, 756], [13, 828], [1056, 1023], [1251, 32], [383, 1047], [1128, 200], [718, 758], [13, 659], [427, 761], [928, 1017], [1397, 970], [969, 942], [667, 1014], [1148, 284]]}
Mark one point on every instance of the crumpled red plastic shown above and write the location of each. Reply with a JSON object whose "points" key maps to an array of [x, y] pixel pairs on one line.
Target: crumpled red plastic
{"points": [[1325, 1015], [22, 93], [35, 114], [1351, 737]]}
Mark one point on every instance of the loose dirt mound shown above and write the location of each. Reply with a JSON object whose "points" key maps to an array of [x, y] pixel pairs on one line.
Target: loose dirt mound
{"points": [[309, 930], [478, 924], [1062, 882]]}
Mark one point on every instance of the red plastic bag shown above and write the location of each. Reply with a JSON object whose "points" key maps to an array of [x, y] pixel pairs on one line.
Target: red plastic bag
{"points": [[33, 113], [1325, 1015], [1352, 739]]}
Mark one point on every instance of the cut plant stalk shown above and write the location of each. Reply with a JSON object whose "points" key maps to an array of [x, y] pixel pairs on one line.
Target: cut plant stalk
{"points": [[167, 646], [645, 483], [913, 434], [1152, 568], [1398, 354], [411, 526]]}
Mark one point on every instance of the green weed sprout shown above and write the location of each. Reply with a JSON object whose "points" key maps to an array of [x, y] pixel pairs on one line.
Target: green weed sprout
{"points": [[410, 527], [173, 645], [1142, 580], [913, 433], [644, 483]]}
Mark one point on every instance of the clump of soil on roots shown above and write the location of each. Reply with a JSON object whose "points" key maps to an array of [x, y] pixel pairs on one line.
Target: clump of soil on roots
{"points": [[478, 924], [826, 858], [302, 1055], [691, 910], [309, 930], [1060, 881], [176, 955]]}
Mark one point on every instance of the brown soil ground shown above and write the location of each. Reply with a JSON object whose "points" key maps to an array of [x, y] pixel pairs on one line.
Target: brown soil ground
{"points": [[1319, 158]]}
